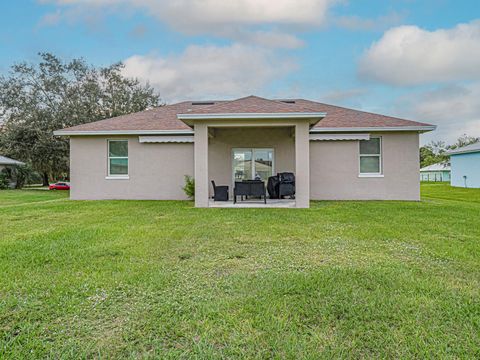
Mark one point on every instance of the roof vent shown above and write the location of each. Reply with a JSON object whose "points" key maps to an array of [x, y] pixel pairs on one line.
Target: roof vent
{"points": [[203, 103], [288, 101]]}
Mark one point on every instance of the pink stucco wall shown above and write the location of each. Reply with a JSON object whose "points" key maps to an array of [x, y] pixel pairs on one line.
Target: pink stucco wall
{"points": [[334, 170], [156, 171]]}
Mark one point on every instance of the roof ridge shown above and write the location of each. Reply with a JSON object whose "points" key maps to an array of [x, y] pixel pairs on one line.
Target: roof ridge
{"points": [[238, 100], [278, 103], [294, 103]]}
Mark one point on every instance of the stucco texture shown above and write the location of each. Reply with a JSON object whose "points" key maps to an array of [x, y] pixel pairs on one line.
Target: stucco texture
{"points": [[334, 170], [156, 171]]}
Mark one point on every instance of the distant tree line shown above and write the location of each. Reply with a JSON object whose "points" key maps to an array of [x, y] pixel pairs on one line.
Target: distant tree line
{"points": [[436, 151], [36, 99]]}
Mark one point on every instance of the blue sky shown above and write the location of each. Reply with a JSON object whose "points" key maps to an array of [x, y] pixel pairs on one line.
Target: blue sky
{"points": [[413, 59]]}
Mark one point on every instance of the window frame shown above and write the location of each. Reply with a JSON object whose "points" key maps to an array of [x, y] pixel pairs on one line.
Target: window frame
{"points": [[111, 176], [253, 156], [379, 155]]}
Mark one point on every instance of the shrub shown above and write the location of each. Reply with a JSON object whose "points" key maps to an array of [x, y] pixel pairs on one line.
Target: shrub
{"points": [[4, 180], [22, 175], [189, 187]]}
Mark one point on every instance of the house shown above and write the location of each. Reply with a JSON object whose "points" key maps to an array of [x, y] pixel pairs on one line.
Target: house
{"points": [[7, 162], [465, 165], [335, 153], [5, 165], [435, 172]]}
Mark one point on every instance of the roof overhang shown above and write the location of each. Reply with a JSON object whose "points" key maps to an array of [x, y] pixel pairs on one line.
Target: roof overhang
{"points": [[191, 132], [12, 162], [434, 170], [313, 117], [121, 132], [376, 128], [460, 151]]}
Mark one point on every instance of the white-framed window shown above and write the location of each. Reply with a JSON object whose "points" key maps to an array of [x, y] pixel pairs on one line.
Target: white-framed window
{"points": [[118, 158], [370, 156], [252, 163]]}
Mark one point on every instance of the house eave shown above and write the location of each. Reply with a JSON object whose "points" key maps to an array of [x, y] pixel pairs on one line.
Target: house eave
{"points": [[14, 163], [314, 117], [120, 132], [191, 132], [453, 152], [374, 128]]}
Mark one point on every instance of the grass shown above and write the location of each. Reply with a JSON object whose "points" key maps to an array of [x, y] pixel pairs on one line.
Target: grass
{"points": [[15, 197], [129, 279]]}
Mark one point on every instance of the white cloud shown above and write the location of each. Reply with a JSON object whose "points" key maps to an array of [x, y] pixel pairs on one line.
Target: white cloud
{"points": [[408, 55], [194, 15], [209, 71], [258, 22], [455, 109]]}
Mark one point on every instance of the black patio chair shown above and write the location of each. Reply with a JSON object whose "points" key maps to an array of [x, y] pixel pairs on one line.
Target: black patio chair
{"points": [[220, 193], [286, 186]]}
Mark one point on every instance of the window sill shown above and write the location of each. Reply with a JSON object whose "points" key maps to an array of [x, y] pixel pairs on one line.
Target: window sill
{"points": [[117, 177], [370, 175]]}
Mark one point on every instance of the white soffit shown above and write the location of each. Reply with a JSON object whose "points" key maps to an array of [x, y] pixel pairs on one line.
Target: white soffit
{"points": [[165, 139], [334, 137]]}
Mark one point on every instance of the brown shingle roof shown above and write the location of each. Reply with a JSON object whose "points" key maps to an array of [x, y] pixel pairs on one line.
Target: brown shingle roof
{"points": [[340, 117], [164, 118], [160, 118], [252, 105]]}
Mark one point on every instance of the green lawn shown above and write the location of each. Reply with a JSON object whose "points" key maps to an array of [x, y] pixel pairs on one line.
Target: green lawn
{"points": [[163, 279]]}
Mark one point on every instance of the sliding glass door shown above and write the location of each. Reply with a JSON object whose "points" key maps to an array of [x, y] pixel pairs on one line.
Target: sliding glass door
{"points": [[250, 164]]}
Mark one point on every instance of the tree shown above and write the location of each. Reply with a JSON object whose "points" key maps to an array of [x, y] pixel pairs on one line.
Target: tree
{"points": [[427, 156], [436, 151], [464, 140], [432, 153], [37, 99]]}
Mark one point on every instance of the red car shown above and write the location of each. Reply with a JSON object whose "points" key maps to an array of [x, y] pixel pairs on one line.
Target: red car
{"points": [[59, 186]]}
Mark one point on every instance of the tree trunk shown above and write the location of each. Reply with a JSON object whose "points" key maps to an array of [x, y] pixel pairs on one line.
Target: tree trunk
{"points": [[45, 179]]}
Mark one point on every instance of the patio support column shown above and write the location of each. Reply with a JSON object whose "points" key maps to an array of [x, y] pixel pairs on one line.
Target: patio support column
{"points": [[201, 164], [302, 165]]}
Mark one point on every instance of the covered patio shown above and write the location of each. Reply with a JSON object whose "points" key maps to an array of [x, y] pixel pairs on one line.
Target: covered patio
{"points": [[239, 154], [217, 139]]}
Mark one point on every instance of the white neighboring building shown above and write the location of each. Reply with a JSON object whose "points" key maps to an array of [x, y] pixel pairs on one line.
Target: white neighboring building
{"points": [[465, 163], [435, 172]]}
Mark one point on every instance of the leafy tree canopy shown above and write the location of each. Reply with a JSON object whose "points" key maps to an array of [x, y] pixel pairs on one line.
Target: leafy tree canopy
{"points": [[435, 151], [36, 99]]}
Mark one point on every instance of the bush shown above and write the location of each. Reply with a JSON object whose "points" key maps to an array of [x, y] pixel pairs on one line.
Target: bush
{"points": [[4, 180], [22, 175], [189, 187]]}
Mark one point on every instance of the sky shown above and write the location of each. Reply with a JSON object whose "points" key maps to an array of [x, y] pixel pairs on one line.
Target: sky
{"points": [[418, 60]]}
